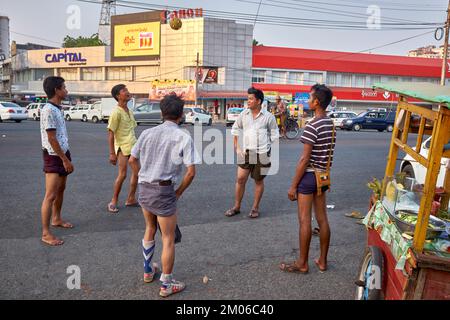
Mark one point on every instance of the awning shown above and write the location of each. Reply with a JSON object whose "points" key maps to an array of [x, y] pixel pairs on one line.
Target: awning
{"points": [[420, 90]]}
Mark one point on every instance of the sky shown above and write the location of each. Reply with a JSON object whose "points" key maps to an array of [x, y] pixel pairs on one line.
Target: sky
{"points": [[45, 21]]}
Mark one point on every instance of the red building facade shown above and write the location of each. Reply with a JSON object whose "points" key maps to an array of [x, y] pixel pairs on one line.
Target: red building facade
{"points": [[350, 75]]}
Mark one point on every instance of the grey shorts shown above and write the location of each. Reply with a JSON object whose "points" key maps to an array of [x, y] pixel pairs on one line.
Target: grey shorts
{"points": [[159, 200]]}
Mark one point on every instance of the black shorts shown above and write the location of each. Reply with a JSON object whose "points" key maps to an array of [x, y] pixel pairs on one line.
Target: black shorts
{"points": [[54, 164], [255, 165]]}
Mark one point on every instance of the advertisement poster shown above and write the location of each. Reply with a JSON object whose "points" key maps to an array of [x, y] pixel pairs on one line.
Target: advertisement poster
{"points": [[271, 95], [208, 75], [139, 39], [182, 88], [301, 98]]}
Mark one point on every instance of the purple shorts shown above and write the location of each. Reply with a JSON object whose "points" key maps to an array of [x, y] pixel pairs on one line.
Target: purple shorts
{"points": [[308, 184], [54, 164]]}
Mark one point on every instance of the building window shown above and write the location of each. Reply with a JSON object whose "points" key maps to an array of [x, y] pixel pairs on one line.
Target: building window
{"points": [[296, 78], [315, 78], [279, 77], [346, 80], [331, 79], [69, 74], [360, 81], [375, 79], [41, 74], [119, 73], [259, 76], [148, 73], [90, 74]]}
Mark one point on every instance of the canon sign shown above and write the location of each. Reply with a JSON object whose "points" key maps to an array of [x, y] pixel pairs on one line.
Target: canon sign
{"points": [[181, 14]]}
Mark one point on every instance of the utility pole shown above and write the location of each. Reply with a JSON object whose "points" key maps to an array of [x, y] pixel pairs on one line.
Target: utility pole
{"points": [[197, 61], [444, 58]]}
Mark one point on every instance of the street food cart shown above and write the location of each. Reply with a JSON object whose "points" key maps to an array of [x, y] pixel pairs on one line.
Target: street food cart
{"points": [[408, 253]]}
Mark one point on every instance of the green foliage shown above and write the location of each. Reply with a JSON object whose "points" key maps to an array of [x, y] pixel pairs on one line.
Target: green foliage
{"points": [[92, 41]]}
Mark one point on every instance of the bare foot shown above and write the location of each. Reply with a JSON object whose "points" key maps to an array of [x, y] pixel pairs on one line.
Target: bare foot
{"points": [[51, 240], [322, 266]]}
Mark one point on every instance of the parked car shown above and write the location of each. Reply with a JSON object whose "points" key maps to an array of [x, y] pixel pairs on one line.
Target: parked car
{"points": [[148, 112], [34, 110], [12, 111], [197, 115], [232, 115], [78, 112], [376, 120], [339, 116], [415, 170]]}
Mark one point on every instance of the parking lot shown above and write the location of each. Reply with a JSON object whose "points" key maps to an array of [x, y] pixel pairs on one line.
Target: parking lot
{"points": [[239, 255]]}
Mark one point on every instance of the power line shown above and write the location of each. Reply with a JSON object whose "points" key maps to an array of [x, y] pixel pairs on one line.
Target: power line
{"points": [[272, 20]]}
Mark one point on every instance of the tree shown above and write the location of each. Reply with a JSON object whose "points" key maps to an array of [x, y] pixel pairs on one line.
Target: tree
{"points": [[256, 43], [91, 41]]}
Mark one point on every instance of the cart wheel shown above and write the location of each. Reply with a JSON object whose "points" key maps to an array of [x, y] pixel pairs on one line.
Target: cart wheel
{"points": [[370, 277]]}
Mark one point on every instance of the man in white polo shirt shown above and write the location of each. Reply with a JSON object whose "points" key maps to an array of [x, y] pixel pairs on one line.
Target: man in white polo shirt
{"points": [[260, 130]]}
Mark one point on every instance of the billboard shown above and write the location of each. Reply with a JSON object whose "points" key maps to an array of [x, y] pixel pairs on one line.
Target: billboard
{"points": [[182, 88], [137, 40], [208, 75]]}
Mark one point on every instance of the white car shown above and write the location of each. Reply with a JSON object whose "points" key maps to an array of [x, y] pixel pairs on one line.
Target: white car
{"points": [[78, 112], [197, 115], [339, 116], [12, 111], [415, 170], [232, 115], [34, 110]]}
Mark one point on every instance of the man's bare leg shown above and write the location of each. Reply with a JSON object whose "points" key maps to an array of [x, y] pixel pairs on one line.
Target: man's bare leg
{"points": [[52, 183], [320, 210], [259, 191], [241, 180], [122, 162], [57, 206], [304, 215], [133, 186], [168, 225]]}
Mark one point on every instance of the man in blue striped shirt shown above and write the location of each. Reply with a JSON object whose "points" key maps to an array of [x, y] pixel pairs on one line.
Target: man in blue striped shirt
{"points": [[318, 148]]}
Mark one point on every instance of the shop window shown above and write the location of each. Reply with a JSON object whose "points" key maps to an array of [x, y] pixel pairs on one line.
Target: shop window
{"points": [[91, 74], [331, 79], [279, 77], [360, 81], [41, 74], [296, 78], [315, 78], [346, 80], [119, 73], [259, 76], [69, 74]]}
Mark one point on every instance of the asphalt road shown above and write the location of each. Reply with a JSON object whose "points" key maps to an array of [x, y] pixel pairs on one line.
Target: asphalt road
{"points": [[239, 255]]}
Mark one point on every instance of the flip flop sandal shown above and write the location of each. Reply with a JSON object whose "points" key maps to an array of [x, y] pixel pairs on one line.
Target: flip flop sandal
{"points": [[354, 215], [292, 268], [52, 243], [113, 208], [133, 205], [232, 212], [64, 225], [253, 214]]}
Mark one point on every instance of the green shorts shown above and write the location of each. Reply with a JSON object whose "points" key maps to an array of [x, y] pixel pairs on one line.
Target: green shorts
{"points": [[262, 161]]}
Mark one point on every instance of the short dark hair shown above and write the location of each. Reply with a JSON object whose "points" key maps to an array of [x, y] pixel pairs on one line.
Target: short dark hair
{"points": [[51, 84], [115, 91], [323, 94], [257, 93], [172, 107]]}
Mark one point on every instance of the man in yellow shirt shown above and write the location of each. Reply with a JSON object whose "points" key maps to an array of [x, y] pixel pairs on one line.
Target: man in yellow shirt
{"points": [[121, 139]]}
